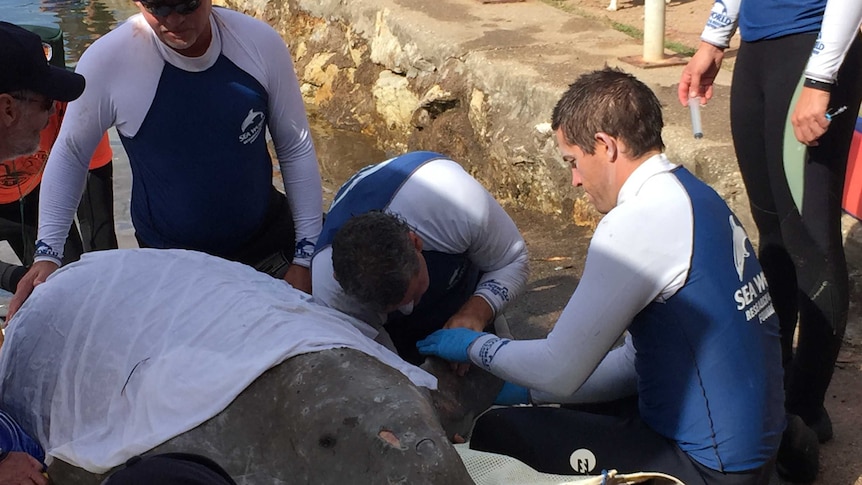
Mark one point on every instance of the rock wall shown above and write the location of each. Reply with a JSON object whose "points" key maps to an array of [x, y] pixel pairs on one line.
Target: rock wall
{"points": [[479, 87], [363, 68]]}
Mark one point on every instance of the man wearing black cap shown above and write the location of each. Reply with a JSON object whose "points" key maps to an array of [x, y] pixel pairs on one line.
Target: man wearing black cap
{"points": [[28, 88]]}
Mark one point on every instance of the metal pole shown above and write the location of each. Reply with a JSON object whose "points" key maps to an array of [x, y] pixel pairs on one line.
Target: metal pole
{"points": [[654, 30]]}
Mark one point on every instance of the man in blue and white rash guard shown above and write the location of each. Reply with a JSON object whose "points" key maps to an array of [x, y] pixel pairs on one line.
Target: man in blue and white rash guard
{"points": [[799, 62], [670, 263], [192, 90], [415, 243]]}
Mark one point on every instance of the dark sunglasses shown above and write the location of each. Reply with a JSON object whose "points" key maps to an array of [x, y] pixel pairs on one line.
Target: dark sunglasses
{"points": [[45, 103], [162, 10]]}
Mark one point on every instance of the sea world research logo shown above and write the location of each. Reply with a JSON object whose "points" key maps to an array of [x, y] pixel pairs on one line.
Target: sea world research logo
{"points": [[818, 45], [718, 18], [740, 252], [251, 126]]}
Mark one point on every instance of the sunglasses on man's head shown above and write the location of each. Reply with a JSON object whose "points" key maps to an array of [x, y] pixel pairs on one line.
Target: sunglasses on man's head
{"points": [[161, 10], [45, 103]]}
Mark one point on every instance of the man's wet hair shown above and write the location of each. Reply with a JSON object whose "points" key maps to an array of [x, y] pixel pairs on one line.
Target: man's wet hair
{"points": [[374, 259], [613, 102]]}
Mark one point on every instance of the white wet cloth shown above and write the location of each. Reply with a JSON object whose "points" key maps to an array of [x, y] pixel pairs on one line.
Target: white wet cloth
{"points": [[126, 349]]}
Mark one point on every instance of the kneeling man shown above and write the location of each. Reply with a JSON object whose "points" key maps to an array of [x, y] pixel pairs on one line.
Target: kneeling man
{"points": [[670, 263], [415, 244]]}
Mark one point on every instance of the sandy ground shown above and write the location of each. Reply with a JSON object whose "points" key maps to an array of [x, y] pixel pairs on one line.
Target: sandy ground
{"points": [[684, 19]]}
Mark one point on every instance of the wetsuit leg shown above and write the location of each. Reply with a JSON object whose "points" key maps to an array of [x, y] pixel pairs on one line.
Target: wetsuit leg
{"points": [[800, 247], [271, 249], [820, 261], [574, 442], [74, 248], [762, 87], [96, 211]]}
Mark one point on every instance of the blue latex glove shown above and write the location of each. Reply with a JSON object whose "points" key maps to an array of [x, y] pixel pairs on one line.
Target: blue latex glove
{"points": [[512, 394], [450, 343]]}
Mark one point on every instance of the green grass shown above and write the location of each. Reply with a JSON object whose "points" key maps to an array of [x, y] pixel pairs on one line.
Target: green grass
{"points": [[638, 34], [629, 30], [680, 48]]}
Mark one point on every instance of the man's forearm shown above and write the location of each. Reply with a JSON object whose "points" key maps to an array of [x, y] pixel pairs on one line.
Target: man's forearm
{"points": [[474, 314], [840, 26], [60, 194]]}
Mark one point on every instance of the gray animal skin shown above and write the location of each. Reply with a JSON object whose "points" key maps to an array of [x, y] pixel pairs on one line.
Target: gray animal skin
{"points": [[335, 416], [459, 400]]}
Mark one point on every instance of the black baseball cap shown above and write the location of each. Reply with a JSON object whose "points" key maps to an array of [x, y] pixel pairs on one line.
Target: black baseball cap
{"points": [[170, 469], [25, 67]]}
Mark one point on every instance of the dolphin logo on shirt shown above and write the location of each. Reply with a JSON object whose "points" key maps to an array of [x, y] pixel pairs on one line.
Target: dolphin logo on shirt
{"points": [[740, 252], [251, 126]]}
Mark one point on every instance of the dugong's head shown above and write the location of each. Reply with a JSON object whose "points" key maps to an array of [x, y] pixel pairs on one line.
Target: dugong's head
{"points": [[334, 416]]}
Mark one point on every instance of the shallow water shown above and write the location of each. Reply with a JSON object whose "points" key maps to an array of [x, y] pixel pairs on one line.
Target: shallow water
{"points": [[83, 21]]}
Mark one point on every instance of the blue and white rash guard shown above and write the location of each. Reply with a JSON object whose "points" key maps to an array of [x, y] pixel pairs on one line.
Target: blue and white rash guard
{"points": [[195, 133], [837, 21], [671, 264], [448, 209]]}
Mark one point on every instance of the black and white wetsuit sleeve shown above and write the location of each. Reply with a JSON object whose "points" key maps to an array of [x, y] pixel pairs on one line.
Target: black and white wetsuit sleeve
{"points": [[840, 26], [721, 24]]}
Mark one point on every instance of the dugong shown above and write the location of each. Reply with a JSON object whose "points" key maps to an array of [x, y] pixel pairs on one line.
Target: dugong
{"points": [[334, 416], [148, 351]]}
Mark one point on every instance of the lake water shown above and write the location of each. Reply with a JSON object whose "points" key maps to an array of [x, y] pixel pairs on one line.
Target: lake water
{"points": [[83, 21]]}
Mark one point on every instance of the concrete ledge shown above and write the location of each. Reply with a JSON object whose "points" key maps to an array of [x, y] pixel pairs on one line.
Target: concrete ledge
{"points": [[475, 81], [478, 82]]}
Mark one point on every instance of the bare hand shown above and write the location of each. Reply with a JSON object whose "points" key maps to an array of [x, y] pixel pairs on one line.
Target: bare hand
{"points": [[467, 321], [475, 315], [21, 469], [809, 117], [299, 277], [36, 275], [699, 74]]}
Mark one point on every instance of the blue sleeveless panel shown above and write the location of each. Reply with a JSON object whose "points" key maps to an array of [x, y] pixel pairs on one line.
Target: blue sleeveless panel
{"points": [[718, 332], [371, 188], [771, 19], [202, 174]]}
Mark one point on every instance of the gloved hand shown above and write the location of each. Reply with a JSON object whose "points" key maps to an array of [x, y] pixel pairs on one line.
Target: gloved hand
{"points": [[450, 344], [512, 394]]}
